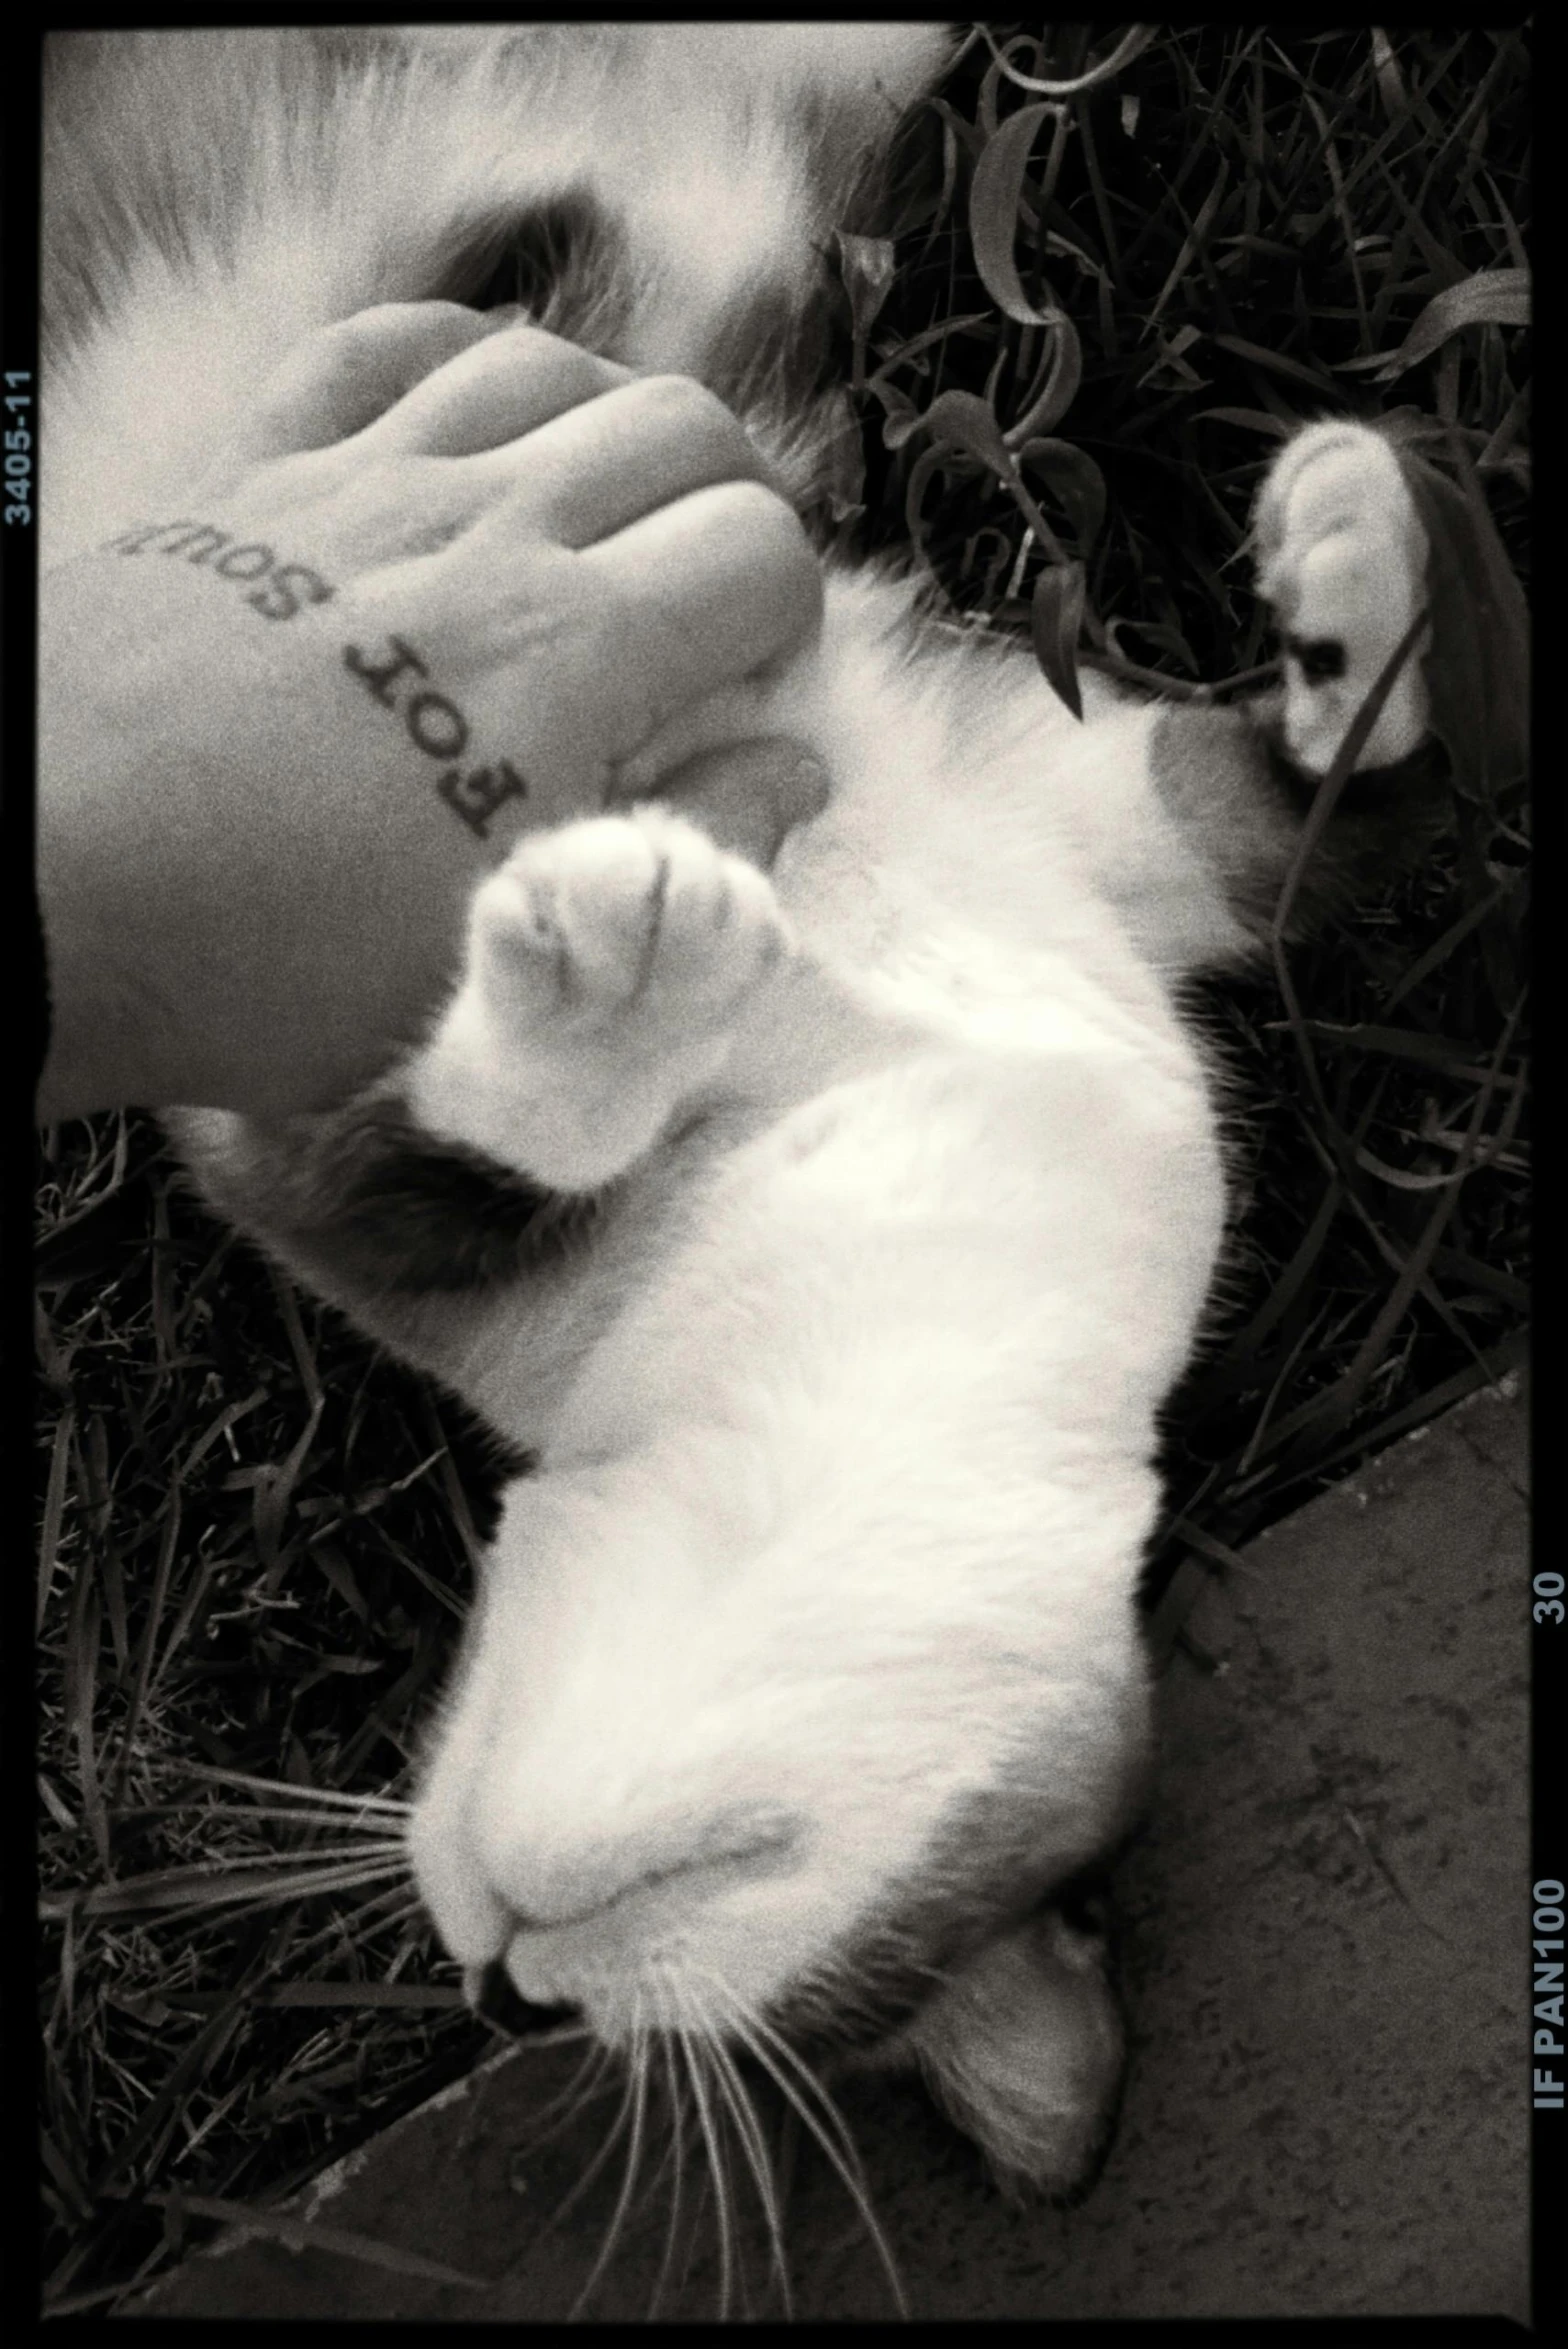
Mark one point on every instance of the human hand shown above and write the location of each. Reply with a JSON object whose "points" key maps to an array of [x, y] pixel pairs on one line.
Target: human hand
{"points": [[445, 583]]}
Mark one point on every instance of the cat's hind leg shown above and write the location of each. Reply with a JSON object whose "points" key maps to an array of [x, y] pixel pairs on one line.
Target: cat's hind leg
{"points": [[1342, 563], [607, 964]]}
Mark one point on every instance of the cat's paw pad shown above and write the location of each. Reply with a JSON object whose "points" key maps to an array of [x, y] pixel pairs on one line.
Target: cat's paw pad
{"points": [[1342, 559], [625, 920]]}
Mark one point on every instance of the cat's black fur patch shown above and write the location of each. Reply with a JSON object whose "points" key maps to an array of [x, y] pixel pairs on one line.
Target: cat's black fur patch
{"points": [[563, 244], [435, 1215], [1224, 772], [396, 1210], [1389, 796]]}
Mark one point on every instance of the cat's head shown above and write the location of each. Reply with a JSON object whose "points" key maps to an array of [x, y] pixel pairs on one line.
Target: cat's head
{"points": [[712, 1768]]}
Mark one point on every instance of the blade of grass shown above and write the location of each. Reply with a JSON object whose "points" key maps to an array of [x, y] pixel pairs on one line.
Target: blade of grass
{"points": [[248, 2219]]}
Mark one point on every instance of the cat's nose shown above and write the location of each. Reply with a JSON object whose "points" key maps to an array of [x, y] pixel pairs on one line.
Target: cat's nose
{"points": [[501, 2004]]}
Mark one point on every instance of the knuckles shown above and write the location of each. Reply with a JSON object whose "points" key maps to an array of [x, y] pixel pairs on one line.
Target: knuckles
{"points": [[681, 404], [779, 544]]}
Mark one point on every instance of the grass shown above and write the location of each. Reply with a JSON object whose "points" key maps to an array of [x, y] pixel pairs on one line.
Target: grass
{"points": [[257, 1537]]}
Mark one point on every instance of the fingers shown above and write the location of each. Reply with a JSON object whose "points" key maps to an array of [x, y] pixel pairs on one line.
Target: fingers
{"points": [[494, 392], [604, 465], [623, 520], [340, 380], [705, 591]]}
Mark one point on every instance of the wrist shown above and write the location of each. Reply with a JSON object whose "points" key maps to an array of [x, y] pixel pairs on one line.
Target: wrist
{"points": [[112, 936]]}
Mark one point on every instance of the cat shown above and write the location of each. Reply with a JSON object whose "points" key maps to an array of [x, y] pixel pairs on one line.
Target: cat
{"points": [[828, 1238]]}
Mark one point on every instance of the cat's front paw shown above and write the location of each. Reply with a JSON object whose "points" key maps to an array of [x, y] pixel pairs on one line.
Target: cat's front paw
{"points": [[623, 923], [608, 963], [1342, 559]]}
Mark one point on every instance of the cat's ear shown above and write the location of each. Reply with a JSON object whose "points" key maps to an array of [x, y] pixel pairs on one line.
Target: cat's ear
{"points": [[1024, 2050]]}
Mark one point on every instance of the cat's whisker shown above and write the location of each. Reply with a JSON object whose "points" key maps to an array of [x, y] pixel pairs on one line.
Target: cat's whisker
{"points": [[638, 2091], [404, 1904], [744, 2021], [576, 2096], [408, 1907], [658, 2043], [694, 2043], [756, 2034], [359, 1867], [726, 2108], [748, 2126], [676, 2155], [385, 1852], [328, 1798], [233, 1885], [383, 1827], [600, 2158]]}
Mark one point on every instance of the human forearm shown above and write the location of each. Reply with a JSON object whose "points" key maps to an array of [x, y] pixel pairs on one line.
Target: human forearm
{"points": [[263, 811]]}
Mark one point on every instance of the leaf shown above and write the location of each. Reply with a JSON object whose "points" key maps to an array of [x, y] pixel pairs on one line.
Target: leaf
{"points": [[1390, 85], [907, 352], [1062, 376], [928, 462], [305, 2235], [968, 135], [994, 198], [1440, 1052], [1054, 622], [1275, 362], [1076, 480], [340, 1575], [964, 420], [866, 267], [1491, 297], [1131, 45], [1249, 419], [843, 474], [1478, 664], [903, 417], [1160, 633], [1193, 243], [417, 1997]]}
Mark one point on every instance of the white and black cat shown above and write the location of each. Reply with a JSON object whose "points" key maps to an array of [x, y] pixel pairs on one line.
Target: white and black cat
{"points": [[831, 1238]]}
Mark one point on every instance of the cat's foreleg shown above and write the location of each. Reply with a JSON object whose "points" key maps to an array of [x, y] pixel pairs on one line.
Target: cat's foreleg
{"points": [[607, 964]]}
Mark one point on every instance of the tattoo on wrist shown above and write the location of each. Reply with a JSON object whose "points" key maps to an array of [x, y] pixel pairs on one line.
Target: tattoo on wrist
{"points": [[433, 721], [289, 586]]}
